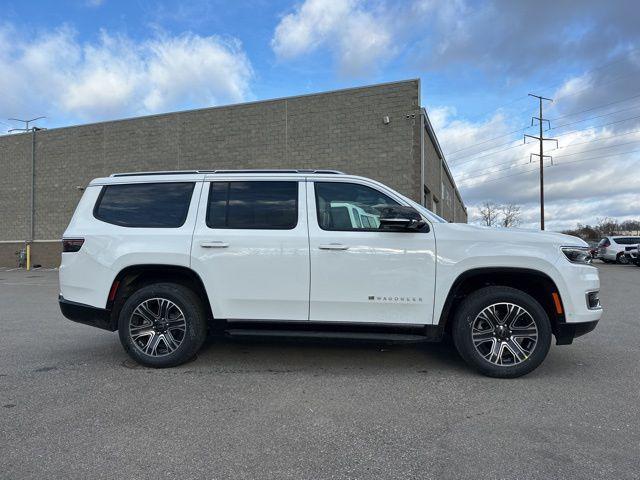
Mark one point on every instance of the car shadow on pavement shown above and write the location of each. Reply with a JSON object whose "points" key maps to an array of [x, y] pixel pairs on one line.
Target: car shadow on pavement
{"points": [[301, 354]]}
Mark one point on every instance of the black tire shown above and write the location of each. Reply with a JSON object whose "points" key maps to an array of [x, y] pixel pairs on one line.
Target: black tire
{"points": [[191, 332], [468, 313], [622, 259]]}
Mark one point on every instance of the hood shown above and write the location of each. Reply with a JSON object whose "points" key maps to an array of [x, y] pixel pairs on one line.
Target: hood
{"points": [[514, 234]]}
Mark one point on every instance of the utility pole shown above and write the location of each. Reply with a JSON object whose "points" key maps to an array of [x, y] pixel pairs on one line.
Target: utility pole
{"points": [[33, 131], [541, 155]]}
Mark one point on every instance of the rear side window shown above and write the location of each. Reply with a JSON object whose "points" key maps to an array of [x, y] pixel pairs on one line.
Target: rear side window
{"points": [[146, 205], [627, 240], [264, 205]]}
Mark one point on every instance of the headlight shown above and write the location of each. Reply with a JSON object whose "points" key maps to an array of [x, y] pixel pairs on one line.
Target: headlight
{"points": [[577, 254]]}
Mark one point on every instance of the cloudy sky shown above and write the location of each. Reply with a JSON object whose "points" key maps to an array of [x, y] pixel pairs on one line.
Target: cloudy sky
{"points": [[89, 60]]}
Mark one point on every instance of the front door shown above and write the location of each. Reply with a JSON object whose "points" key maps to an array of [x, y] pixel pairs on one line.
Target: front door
{"points": [[251, 248], [359, 272]]}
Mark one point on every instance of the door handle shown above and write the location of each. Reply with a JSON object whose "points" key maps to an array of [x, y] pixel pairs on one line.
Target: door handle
{"points": [[333, 246], [214, 244]]}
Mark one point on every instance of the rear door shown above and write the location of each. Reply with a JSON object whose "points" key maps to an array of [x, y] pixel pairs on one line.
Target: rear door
{"points": [[359, 273], [251, 247]]}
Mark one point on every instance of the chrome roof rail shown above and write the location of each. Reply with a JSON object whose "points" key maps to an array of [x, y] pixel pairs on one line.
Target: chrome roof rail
{"points": [[192, 172]]}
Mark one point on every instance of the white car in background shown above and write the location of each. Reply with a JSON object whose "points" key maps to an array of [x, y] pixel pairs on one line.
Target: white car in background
{"points": [[633, 255], [611, 249], [162, 257]]}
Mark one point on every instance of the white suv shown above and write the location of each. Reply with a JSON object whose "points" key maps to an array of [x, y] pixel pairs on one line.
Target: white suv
{"points": [[611, 249], [164, 256]]}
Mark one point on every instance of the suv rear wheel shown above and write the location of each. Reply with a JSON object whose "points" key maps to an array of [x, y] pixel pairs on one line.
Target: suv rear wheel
{"points": [[502, 332], [162, 325]]}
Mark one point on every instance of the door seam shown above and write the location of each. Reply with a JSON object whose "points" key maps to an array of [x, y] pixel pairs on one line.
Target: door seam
{"points": [[306, 203]]}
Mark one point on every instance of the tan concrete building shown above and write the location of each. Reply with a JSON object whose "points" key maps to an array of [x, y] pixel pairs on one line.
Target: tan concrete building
{"points": [[378, 131]]}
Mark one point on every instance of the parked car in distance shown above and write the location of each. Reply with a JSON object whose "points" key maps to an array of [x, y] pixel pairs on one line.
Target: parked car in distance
{"points": [[611, 248], [161, 257]]}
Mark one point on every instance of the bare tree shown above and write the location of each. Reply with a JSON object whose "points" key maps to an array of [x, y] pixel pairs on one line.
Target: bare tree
{"points": [[510, 215], [489, 213], [607, 225], [630, 226]]}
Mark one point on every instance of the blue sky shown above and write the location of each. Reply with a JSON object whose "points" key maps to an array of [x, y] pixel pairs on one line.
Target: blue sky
{"points": [[94, 60]]}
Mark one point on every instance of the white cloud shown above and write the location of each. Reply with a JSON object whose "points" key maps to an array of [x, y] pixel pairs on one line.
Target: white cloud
{"points": [[358, 37], [58, 75]]}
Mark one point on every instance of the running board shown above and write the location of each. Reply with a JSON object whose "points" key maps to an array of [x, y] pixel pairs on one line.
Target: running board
{"points": [[344, 335]]}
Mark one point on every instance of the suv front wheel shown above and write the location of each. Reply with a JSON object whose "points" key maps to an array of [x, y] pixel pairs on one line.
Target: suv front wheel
{"points": [[502, 332], [162, 325]]}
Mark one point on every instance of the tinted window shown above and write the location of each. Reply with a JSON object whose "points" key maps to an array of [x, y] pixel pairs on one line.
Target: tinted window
{"points": [[160, 205], [253, 205], [627, 240], [349, 206]]}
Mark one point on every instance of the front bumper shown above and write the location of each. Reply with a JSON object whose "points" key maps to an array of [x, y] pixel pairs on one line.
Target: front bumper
{"points": [[566, 332], [86, 314]]}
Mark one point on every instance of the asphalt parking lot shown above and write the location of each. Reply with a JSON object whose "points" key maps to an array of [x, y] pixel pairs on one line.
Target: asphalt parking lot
{"points": [[73, 406]]}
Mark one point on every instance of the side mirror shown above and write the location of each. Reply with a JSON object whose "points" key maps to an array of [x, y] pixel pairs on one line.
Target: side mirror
{"points": [[400, 217]]}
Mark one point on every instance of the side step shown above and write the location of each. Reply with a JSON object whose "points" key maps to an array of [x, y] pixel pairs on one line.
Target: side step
{"points": [[344, 335]]}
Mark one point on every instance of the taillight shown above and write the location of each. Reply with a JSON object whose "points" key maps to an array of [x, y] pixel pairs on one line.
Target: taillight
{"points": [[72, 244]]}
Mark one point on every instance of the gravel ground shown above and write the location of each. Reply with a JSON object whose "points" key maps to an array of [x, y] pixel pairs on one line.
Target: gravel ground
{"points": [[73, 406]]}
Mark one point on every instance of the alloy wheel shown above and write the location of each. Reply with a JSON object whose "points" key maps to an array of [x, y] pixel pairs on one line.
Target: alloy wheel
{"points": [[504, 334], [157, 327]]}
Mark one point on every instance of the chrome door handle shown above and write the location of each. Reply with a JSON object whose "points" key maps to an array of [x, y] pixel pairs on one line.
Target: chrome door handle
{"points": [[333, 246], [214, 244]]}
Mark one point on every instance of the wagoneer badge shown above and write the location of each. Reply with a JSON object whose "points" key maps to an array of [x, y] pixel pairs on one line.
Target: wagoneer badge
{"points": [[394, 299]]}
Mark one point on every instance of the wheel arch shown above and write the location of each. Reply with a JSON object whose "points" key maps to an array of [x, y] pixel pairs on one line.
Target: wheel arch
{"points": [[133, 277], [533, 282]]}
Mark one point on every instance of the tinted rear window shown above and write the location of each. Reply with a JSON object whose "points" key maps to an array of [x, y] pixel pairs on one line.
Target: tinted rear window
{"points": [[147, 205], [263, 205], [627, 240]]}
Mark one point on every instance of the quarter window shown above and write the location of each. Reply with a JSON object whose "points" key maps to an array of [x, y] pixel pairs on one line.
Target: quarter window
{"points": [[349, 206], [147, 205], [266, 205]]}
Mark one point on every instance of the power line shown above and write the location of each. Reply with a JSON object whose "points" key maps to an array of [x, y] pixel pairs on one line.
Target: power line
{"points": [[594, 108], [461, 184], [479, 172], [557, 136], [554, 128], [594, 117], [604, 65], [599, 148], [487, 141], [490, 153], [554, 85], [465, 174], [615, 79], [597, 126]]}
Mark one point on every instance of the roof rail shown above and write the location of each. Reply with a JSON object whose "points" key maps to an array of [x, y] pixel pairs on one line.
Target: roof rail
{"points": [[160, 172], [187, 172], [299, 170]]}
